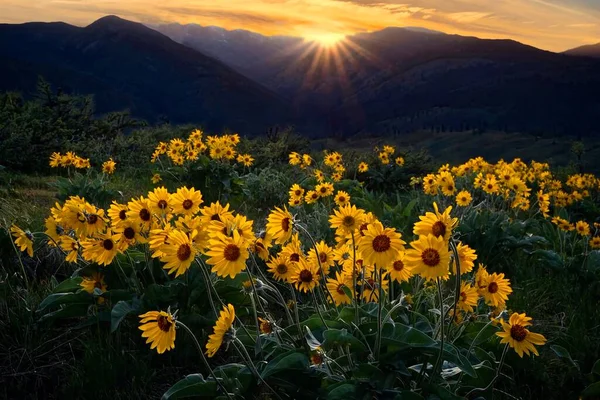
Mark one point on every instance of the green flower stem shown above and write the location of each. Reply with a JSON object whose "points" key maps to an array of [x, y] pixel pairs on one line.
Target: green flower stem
{"points": [[498, 371], [296, 309], [318, 309], [274, 289], [204, 360], [20, 261], [457, 275], [379, 311], [355, 299], [314, 244], [438, 362], [244, 355]]}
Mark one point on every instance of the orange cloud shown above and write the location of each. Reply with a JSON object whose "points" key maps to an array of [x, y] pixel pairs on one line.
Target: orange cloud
{"points": [[549, 24]]}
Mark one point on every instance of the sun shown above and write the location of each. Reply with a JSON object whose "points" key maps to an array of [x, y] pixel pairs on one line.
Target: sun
{"points": [[326, 39]]}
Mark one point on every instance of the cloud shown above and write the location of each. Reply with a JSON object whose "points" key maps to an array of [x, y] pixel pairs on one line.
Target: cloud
{"points": [[551, 24]]}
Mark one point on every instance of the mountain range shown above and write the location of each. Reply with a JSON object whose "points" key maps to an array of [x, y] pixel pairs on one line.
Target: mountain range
{"points": [[386, 82]]}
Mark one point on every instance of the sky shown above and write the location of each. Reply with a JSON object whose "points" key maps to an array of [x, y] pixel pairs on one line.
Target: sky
{"points": [[554, 25]]}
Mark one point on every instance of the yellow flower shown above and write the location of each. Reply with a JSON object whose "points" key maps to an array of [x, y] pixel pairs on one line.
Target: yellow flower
{"points": [[69, 246], [336, 286], [363, 167], [55, 159], [265, 326], [463, 198], [186, 201], [400, 271], [295, 158], [370, 290], [466, 257], [296, 191], [341, 198], [279, 225], [159, 329], [325, 257], [305, 276], [429, 257], [222, 330], [439, 225], [178, 252], [93, 220], [23, 239], [324, 189], [281, 267], [96, 281], [246, 159], [156, 178], [140, 212], [468, 297], [215, 212], [336, 176], [380, 246], [293, 250], [129, 234], [228, 255], [117, 213], [160, 201], [109, 166], [582, 228], [384, 158], [53, 231], [490, 186], [311, 197], [102, 249], [495, 289], [518, 337], [595, 242], [347, 219], [389, 149], [563, 224], [319, 175], [400, 161], [306, 160]]}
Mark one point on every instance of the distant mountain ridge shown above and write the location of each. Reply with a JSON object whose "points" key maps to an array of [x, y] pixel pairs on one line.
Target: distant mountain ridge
{"points": [[590, 50], [403, 79], [128, 65], [388, 82]]}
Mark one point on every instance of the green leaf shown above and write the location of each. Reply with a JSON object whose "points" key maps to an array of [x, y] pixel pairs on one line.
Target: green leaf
{"points": [[193, 385], [409, 207], [408, 395], [341, 337], [68, 311], [291, 360], [344, 391], [563, 353], [68, 285], [400, 334], [57, 299], [596, 368], [121, 310], [550, 259], [591, 391]]}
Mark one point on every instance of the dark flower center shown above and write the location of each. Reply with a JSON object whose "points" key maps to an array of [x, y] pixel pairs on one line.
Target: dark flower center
{"points": [[323, 257], [123, 215], [108, 244], [184, 252], [163, 323], [306, 276], [348, 221], [381, 243], [282, 269], [430, 257], [162, 204], [144, 215], [215, 217], [463, 297], [187, 204], [518, 333], [92, 219], [129, 233], [342, 199], [438, 229], [298, 192], [285, 224], [398, 265], [295, 257], [340, 288], [98, 285], [493, 287], [231, 252]]}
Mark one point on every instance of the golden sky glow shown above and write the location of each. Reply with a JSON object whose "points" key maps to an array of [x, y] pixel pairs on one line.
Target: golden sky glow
{"points": [[549, 24]]}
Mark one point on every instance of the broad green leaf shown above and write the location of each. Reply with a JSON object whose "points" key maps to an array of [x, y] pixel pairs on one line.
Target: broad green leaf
{"points": [[120, 311], [344, 391], [596, 368], [400, 334], [292, 360], [193, 385], [563, 353], [68, 311], [592, 390], [57, 299], [341, 337], [68, 285]]}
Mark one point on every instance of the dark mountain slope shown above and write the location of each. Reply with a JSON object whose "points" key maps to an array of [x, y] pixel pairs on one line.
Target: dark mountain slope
{"points": [[127, 65], [590, 50]]}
